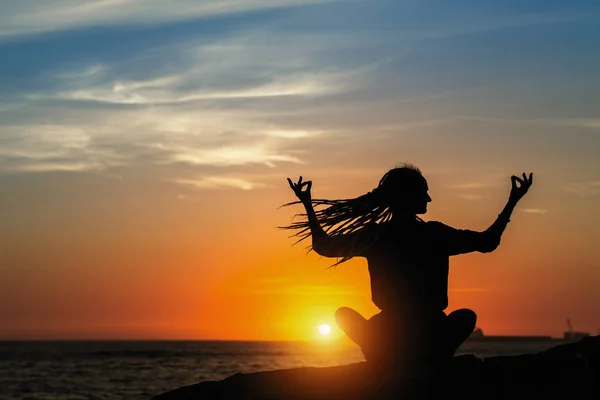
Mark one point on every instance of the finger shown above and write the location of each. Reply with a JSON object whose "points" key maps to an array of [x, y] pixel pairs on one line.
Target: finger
{"points": [[525, 180], [512, 180], [519, 180], [300, 181], [290, 183], [309, 185], [530, 178]]}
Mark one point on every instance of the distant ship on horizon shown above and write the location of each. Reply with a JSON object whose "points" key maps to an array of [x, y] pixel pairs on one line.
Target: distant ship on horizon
{"points": [[478, 336], [572, 335], [568, 336]]}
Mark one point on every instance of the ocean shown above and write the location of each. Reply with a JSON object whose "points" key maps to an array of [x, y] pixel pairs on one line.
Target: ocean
{"points": [[78, 370]]}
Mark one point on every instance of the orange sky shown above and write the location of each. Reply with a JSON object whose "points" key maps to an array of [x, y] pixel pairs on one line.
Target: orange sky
{"points": [[143, 163], [136, 261]]}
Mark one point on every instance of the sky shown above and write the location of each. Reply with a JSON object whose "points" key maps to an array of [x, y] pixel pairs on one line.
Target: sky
{"points": [[145, 146]]}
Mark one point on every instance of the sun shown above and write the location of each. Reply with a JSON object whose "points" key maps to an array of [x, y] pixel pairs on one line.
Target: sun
{"points": [[324, 329]]}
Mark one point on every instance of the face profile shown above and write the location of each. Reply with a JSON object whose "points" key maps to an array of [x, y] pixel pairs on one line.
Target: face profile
{"points": [[419, 197], [405, 191], [424, 198]]}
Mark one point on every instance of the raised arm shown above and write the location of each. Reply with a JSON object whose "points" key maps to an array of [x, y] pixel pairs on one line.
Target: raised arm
{"points": [[323, 244], [465, 241], [493, 234]]}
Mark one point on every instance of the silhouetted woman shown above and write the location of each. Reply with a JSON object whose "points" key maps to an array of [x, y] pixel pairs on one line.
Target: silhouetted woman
{"points": [[408, 261]]}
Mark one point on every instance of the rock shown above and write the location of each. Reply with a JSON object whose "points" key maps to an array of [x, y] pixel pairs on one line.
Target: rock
{"points": [[567, 371]]}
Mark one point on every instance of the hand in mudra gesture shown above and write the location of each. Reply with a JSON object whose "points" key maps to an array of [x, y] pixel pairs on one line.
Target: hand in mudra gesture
{"points": [[520, 186], [303, 195]]}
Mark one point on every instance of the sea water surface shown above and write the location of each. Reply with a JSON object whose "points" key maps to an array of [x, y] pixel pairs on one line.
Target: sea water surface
{"points": [[118, 370]]}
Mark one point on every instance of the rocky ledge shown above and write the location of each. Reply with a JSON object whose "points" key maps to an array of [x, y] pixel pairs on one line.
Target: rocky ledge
{"points": [[566, 371]]}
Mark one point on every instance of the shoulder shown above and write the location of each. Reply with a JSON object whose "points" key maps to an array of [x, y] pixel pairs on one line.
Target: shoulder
{"points": [[366, 232], [437, 225], [373, 232], [373, 228], [439, 228]]}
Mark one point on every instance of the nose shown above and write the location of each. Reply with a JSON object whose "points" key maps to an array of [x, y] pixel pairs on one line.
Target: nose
{"points": [[428, 198]]}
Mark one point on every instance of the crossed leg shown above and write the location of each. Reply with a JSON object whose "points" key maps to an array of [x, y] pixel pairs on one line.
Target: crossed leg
{"points": [[373, 337], [376, 337], [353, 324], [459, 326]]}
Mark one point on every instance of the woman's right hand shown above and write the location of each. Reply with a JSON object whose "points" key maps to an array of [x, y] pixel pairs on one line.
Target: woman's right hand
{"points": [[303, 195]]}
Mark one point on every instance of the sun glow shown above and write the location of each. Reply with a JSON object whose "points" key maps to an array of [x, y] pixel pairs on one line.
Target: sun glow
{"points": [[324, 330]]}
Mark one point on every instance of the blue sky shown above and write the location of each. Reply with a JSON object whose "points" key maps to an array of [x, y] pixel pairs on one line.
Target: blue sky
{"points": [[116, 83]]}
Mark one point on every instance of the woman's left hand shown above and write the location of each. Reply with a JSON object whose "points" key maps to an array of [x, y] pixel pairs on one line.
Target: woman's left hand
{"points": [[520, 186]]}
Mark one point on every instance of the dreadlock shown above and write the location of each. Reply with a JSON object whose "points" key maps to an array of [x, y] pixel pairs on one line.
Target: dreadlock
{"points": [[347, 216]]}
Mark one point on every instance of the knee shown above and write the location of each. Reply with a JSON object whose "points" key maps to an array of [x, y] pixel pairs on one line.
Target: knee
{"points": [[466, 317], [342, 311], [341, 314], [470, 317], [346, 313], [348, 318]]}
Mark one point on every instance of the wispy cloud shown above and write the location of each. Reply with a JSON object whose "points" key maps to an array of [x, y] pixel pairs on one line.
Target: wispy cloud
{"points": [[213, 182], [225, 156], [535, 210], [47, 148], [292, 133], [469, 290], [167, 90], [584, 189], [471, 197], [306, 290], [474, 185], [581, 122], [18, 17]]}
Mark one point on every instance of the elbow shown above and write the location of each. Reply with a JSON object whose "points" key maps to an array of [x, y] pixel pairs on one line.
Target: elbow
{"points": [[319, 246], [489, 245], [488, 249], [326, 246]]}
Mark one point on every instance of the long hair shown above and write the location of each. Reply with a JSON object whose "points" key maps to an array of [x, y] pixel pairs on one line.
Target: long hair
{"points": [[348, 216]]}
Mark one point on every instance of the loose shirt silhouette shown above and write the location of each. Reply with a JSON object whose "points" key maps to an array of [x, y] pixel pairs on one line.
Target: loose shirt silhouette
{"points": [[409, 261]]}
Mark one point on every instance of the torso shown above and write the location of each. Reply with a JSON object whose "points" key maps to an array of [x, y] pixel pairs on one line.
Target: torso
{"points": [[408, 269]]}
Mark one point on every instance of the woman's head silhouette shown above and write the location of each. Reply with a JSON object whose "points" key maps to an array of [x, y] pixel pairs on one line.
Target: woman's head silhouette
{"points": [[404, 191]]}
